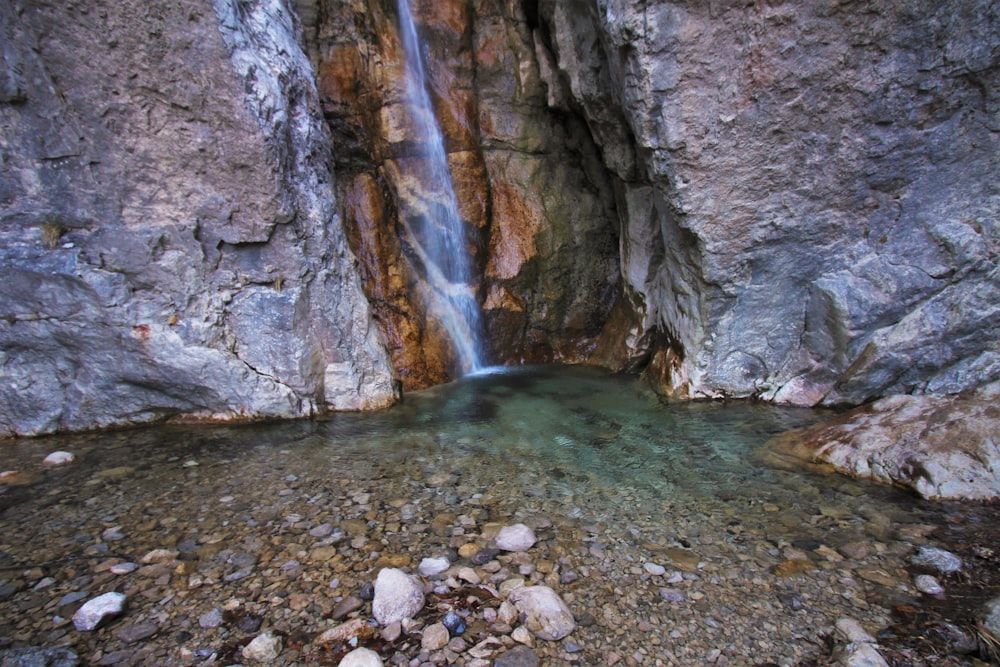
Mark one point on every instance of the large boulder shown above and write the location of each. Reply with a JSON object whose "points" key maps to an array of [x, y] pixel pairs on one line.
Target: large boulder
{"points": [[940, 447]]}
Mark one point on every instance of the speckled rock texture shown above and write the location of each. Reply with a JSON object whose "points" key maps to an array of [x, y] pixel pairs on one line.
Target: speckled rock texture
{"points": [[941, 447], [169, 245], [808, 191]]}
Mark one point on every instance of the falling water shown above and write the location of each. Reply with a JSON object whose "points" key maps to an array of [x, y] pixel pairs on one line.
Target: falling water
{"points": [[439, 241]]}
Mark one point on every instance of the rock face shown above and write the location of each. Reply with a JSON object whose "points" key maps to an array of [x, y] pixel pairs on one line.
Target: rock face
{"points": [[809, 214], [534, 197], [168, 241], [940, 447]]}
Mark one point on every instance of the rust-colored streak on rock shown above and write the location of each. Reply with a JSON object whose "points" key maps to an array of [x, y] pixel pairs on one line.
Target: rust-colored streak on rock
{"points": [[512, 238], [469, 178], [420, 356]]}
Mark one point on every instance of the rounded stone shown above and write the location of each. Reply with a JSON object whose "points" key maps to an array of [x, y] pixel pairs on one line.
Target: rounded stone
{"points": [[59, 458], [515, 538], [264, 648], [362, 657], [546, 615], [397, 596], [430, 567]]}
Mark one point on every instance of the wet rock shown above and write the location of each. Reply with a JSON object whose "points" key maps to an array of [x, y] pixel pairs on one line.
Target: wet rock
{"points": [[361, 657], [95, 612], [546, 615], [937, 559], [397, 596], [484, 556], [518, 537], [356, 629], [59, 458], [454, 623], [131, 634], [925, 583], [990, 617], [38, 657], [941, 447], [519, 656], [264, 648], [861, 649], [345, 607]]}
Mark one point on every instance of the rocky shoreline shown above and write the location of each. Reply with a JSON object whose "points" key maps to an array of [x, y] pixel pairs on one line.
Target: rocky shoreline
{"points": [[252, 560]]}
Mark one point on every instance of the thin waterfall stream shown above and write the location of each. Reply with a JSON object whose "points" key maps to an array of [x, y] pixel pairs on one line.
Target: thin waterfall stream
{"points": [[436, 232]]}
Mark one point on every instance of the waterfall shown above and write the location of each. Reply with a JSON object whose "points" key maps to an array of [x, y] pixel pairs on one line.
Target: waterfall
{"points": [[436, 232]]}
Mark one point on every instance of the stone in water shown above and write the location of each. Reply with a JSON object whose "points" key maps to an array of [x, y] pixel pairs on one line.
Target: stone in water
{"points": [[397, 596], [59, 458], [547, 616], [516, 538]]}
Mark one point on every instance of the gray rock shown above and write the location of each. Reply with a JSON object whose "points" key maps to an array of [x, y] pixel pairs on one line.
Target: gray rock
{"points": [[880, 277], [178, 286], [925, 583], [545, 613], [516, 538], [990, 617], [211, 619], [361, 657], [264, 648], [38, 657], [941, 447], [397, 596], [131, 634], [96, 611], [519, 656], [937, 559]]}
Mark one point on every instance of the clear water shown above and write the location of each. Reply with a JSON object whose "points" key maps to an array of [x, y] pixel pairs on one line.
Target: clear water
{"points": [[435, 232], [612, 477]]}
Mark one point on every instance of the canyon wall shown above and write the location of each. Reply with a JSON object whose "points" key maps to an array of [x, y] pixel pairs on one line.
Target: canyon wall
{"points": [[808, 190], [168, 239], [200, 202]]}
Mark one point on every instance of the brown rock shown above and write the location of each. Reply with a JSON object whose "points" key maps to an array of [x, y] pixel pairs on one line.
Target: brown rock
{"points": [[341, 634], [790, 568]]}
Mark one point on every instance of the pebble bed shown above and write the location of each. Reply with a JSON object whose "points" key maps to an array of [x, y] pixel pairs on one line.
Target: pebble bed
{"points": [[669, 545]]}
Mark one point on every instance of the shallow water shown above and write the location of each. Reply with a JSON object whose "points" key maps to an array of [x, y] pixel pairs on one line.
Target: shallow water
{"points": [[610, 477]]}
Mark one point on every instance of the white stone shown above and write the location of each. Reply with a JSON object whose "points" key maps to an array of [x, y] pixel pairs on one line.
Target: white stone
{"points": [[430, 567], [59, 458], [264, 648], [362, 657], [654, 569], [94, 611], [515, 538], [546, 615], [862, 655], [435, 637], [938, 559], [853, 631], [925, 583], [397, 596]]}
